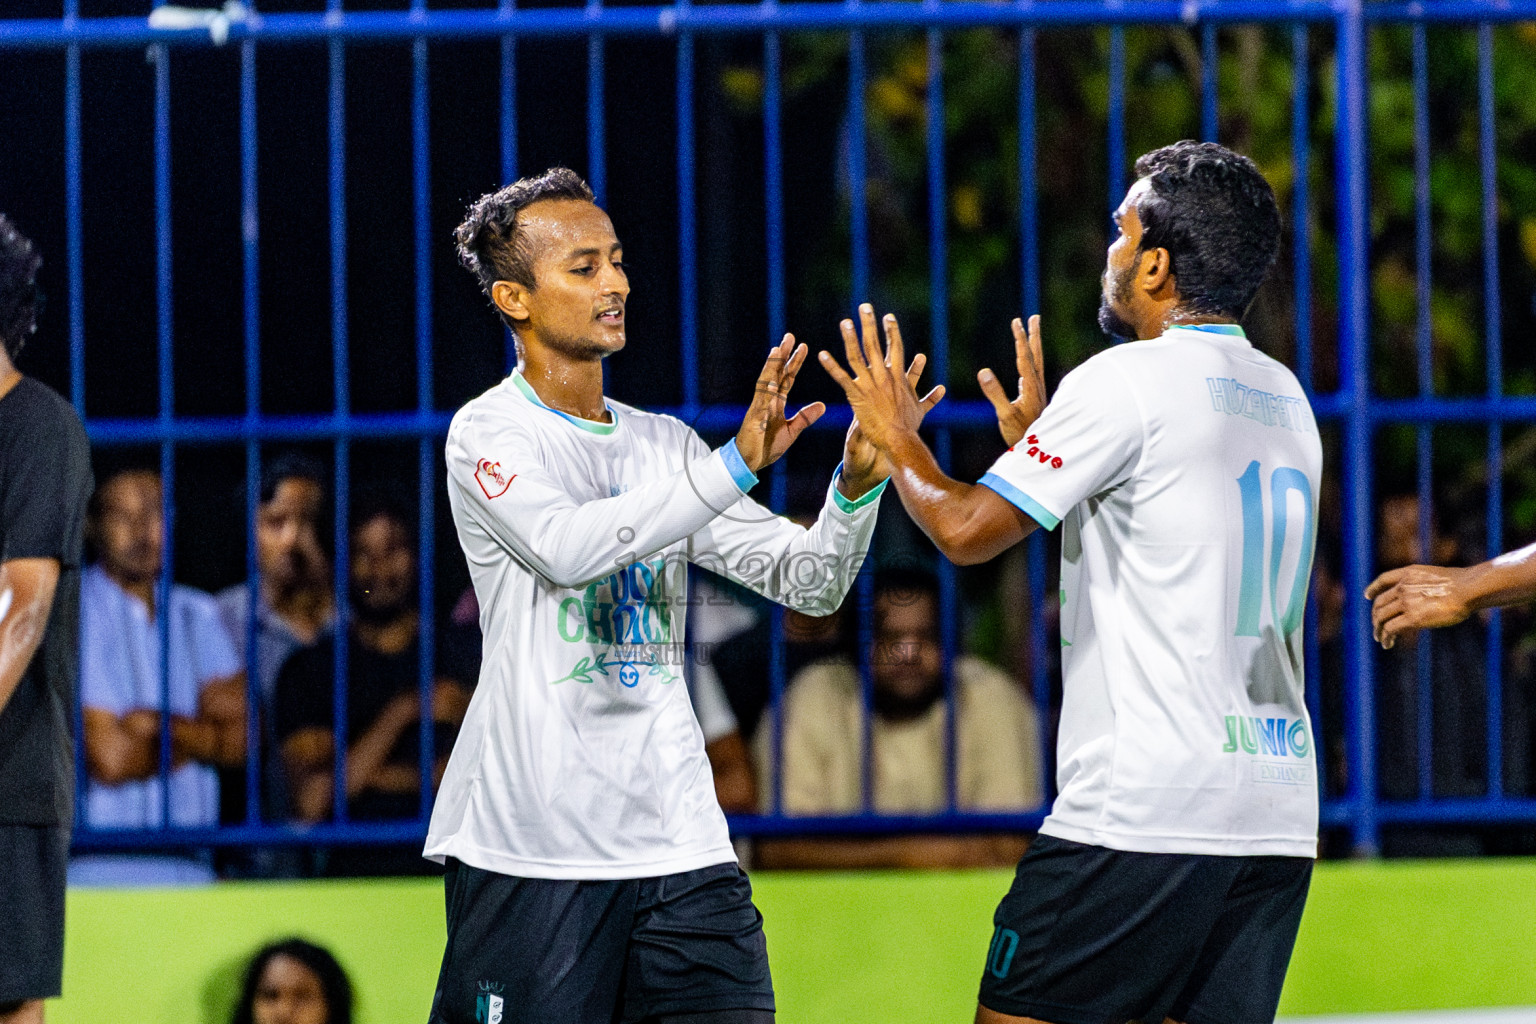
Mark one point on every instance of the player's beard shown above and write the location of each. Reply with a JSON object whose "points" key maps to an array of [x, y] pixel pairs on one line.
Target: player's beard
{"points": [[1115, 284]]}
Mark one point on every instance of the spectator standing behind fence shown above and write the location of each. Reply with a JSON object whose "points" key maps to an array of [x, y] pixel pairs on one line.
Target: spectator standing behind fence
{"points": [[383, 775], [294, 607], [122, 686], [45, 478], [998, 762], [294, 982]]}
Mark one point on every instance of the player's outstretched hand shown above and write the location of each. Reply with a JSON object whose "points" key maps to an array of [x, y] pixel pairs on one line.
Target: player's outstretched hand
{"points": [[884, 399], [1413, 598], [864, 465], [1014, 417], [765, 434]]}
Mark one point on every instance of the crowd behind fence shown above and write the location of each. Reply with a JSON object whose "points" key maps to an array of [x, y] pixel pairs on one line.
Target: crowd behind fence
{"points": [[1353, 416]]}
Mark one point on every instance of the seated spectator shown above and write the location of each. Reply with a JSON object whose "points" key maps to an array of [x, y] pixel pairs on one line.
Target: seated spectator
{"points": [[121, 684], [383, 775], [294, 982], [998, 763], [294, 605]]}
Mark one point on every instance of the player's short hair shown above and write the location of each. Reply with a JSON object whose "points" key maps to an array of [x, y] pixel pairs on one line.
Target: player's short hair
{"points": [[1217, 217], [19, 299], [491, 243]]}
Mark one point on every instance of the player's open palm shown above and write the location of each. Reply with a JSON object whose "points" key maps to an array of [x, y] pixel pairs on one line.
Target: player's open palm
{"points": [[765, 433], [883, 397], [1413, 598], [1014, 417]]}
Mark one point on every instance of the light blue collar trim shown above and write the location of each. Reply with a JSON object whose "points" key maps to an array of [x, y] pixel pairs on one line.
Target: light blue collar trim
{"points": [[1234, 330], [589, 426]]}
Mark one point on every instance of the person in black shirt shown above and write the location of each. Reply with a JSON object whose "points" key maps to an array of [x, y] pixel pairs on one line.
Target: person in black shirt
{"points": [[383, 756], [45, 480]]}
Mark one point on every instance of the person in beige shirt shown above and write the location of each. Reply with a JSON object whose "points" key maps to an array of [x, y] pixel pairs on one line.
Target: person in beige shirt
{"points": [[997, 734]]}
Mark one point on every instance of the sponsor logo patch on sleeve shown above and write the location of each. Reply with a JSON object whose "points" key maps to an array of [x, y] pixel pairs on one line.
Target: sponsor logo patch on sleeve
{"points": [[1045, 457], [491, 479]]}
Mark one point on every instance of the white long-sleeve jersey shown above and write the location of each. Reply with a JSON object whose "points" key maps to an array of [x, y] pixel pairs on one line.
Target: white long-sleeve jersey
{"points": [[580, 756]]}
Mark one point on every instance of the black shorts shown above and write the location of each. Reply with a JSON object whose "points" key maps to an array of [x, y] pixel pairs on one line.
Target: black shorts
{"points": [[1094, 936], [542, 951], [33, 862]]}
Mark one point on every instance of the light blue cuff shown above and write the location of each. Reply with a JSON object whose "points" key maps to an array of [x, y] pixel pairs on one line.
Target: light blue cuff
{"points": [[1023, 502], [744, 477], [851, 505]]}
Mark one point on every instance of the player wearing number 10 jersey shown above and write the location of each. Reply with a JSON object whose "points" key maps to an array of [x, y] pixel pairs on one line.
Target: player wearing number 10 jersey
{"points": [[1184, 469]]}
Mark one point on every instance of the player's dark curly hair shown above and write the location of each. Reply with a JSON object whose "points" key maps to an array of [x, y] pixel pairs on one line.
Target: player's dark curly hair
{"points": [[333, 980], [491, 244], [19, 262], [1216, 215]]}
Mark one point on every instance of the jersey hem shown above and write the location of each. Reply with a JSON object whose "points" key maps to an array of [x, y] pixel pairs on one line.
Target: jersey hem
{"points": [[1029, 506], [743, 477], [439, 849], [1213, 846], [848, 506]]}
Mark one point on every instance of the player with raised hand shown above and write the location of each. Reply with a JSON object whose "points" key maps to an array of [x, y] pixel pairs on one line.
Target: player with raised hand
{"points": [[1169, 879], [1417, 597], [591, 877]]}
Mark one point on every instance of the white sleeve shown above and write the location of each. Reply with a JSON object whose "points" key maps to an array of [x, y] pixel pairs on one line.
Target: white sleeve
{"points": [[1087, 441], [495, 470], [809, 570]]}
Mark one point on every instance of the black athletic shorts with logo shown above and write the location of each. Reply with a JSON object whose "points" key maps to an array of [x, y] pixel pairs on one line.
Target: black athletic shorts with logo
{"points": [[1088, 935], [33, 860], [543, 951]]}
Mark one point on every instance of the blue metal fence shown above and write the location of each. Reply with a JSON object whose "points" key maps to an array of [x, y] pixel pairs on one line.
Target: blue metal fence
{"points": [[1356, 412]]}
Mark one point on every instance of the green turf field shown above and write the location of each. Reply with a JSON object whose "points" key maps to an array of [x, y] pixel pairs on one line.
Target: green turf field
{"points": [[896, 947]]}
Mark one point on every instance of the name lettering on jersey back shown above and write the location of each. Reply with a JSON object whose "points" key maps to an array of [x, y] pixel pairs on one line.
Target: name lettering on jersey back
{"points": [[491, 479], [1231, 396]]}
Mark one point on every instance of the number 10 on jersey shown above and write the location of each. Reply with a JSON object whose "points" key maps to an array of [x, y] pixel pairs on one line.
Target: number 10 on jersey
{"points": [[1282, 483]]}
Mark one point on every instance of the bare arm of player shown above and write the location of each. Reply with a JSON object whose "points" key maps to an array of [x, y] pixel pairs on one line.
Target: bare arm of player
{"points": [[969, 523], [26, 599], [735, 782], [1427, 596], [864, 465]]}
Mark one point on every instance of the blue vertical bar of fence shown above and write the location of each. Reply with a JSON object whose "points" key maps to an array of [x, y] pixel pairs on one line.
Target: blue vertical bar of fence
{"points": [[508, 87], [1116, 145], [597, 155], [773, 205], [687, 227], [1355, 378], [426, 450], [1301, 212], [1029, 270], [74, 242], [165, 339], [257, 711], [1494, 363], [938, 301], [73, 230], [342, 400], [1209, 66], [858, 224], [1301, 220], [1423, 649]]}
